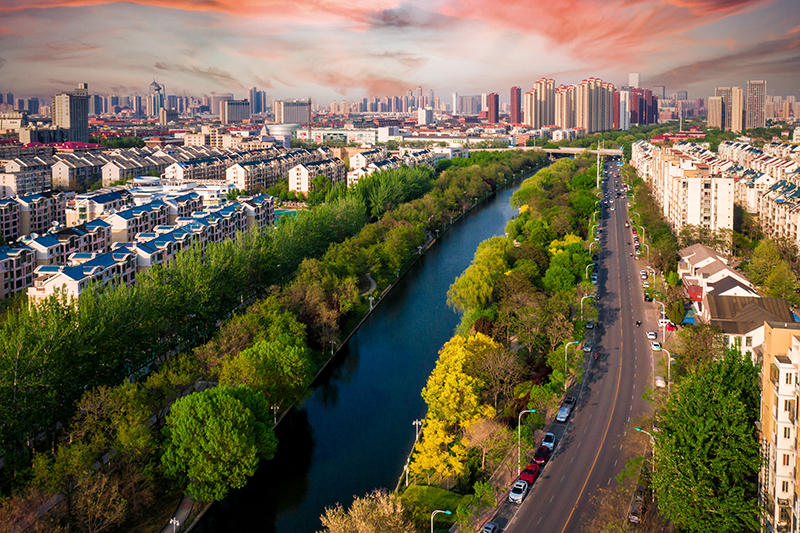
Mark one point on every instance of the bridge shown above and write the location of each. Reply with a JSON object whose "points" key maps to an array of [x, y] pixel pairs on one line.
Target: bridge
{"points": [[565, 150]]}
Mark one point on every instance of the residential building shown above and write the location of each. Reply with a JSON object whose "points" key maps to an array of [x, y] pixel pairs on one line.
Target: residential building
{"points": [[39, 213], [716, 112], [755, 113], [234, 111], [363, 159], [92, 205], [292, 111], [493, 108], [71, 111], [516, 105], [215, 103], [126, 224], [16, 269], [9, 219], [26, 175], [301, 177], [539, 104]]}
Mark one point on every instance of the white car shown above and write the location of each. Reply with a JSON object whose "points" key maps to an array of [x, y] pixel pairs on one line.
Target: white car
{"points": [[549, 441], [652, 335], [566, 409], [655, 345], [587, 346], [660, 383], [646, 284], [518, 492]]}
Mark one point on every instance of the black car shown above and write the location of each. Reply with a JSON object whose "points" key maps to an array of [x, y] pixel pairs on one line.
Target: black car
{"points": [[595, 257], [647, 297]]}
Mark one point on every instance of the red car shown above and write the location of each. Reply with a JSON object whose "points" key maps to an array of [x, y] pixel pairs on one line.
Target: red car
{"points": [[542, 455], [671, 327], [530, 473]]}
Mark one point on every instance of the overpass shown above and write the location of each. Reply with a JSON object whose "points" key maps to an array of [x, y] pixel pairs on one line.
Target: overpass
{"points": [[565, 150]]}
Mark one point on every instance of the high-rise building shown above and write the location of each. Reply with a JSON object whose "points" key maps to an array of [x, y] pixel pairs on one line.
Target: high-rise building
{"points": [[539, 104], [71, 111], [424, 116], [234, 111], [660, 91], [493, 108], [716, 111], [10, 98], [456, 109], [737, 109], [255, 101], [565, 107], [633, 80], [216, 101], [682, 95], [516, 105], [33, 106], [754, 104], [727, 109], [297, 111], [96, 104], [156, 99], [624, 120], [594, 105], [418, 96]]}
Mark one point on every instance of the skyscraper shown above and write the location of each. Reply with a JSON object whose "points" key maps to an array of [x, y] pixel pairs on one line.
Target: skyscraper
{"points": [[565, 107], [516, 105], [234, 111], [216, 100], [716, 112], [737, 109], [624, 110], [419, 101], [71, 111], [456, 110], [33, 106], [594, 105], [255, 101], [725, 94], [294, 111], [754, 106], [539, 104], [633, 80], [493, 107], [660, 91]]}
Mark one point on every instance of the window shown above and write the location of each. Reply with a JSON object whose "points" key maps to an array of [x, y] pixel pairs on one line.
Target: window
{"points": [[788, 378], [786, 459], [748, 341], [787, 433], [784, 486], [787, 405]]}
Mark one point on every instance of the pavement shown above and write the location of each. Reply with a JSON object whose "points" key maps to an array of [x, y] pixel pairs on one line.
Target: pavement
{"points": [[588, 454], [181, 515]]}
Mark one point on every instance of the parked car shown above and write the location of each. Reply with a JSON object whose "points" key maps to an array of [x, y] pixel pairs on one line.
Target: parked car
{"points": [[647, 297], [542, 455], [646, 284], [587, 346], [652, 335], [518, 492], [671, 327], [590, 325], [635, 514], [530, 473], [660, 383], [643, 274], [655, 345], [490, 527], [566, 409], [549, 441]]}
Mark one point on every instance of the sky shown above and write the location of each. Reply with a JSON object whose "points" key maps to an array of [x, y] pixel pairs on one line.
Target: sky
{"points": [[335, 49]]}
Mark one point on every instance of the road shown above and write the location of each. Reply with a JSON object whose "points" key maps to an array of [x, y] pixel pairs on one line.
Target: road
{"points": [[588, 454]]}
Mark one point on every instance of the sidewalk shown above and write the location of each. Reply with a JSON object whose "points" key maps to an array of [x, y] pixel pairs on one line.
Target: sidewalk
{"points": [[181, 515]]}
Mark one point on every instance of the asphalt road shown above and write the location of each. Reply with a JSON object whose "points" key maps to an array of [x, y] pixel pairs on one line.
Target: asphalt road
{"points": [[588, 454]]}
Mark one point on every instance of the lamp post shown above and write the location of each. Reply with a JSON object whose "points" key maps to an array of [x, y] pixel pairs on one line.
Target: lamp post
{"points": [[519, 437], [641, 227], [593, 227], [648, 251], [652, 443], [565, 362], [582, 299], [371, 300], [174, 522], [664, 315], [592, 244], [638, 215], [437, 511], [587, 269], [669, 368]]}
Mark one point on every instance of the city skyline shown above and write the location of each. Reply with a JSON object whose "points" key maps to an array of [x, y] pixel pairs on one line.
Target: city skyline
{"points": [[332, 51]]}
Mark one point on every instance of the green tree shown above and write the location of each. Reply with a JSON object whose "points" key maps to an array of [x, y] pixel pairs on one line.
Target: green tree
{"points": [[764, 259], [378, 512], [473, 288], [781, 283], [215, 439], [698, 344], [707, 455]]}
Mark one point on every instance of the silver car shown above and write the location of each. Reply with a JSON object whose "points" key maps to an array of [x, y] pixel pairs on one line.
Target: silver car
{"points": [[518, 492]]}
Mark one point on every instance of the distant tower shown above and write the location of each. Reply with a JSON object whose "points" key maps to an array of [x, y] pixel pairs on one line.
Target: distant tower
{"points": [[755, 116], [516, 105], [493, 107], [633, 80], [71, 111]]}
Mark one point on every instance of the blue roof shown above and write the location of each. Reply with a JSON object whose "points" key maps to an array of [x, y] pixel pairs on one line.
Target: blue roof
{"points": [[47, 241], [107, 197]]}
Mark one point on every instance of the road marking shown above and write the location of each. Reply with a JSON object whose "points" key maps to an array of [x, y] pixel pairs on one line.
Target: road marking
{"points": [[540, 519], [551, 498], [609, 481], [573, 458], [615, 462], [605, 434], [562, 478]]}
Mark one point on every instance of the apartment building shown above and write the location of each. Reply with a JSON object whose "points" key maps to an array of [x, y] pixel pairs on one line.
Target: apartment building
{"points": [[16, 269], [126, 224], [9, 219], [301, 176], [691, 187], [26, 175], [364, 159], [92, 205], [39, 213], [778, 424], [183, 206]]}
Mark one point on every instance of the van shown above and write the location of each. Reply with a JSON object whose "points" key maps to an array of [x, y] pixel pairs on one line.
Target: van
{"points": [[663, 322]]}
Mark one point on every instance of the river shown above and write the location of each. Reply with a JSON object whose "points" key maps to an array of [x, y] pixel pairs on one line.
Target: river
{"points": [[354, 432]]}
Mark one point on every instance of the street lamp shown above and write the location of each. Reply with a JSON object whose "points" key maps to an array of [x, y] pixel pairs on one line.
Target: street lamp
{"points": [[174, 522], [519, 437], [565, 362], [641, 227], [661, 317], [582, 299], [587, 269], [437, 511], [592, 244], [669, 368], [638, 215], [648, 251]]}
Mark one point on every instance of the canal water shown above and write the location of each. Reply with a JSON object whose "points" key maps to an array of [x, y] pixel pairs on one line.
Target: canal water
{"points": [[355, 430]]}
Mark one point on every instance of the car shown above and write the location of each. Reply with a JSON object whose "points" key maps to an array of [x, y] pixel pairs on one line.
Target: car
{"points": [[634, 231], [566, 409], [647, 297], [518, 492], [490, 527], [660, 383], [655, 345], [671, 327], [651, 335], [646, 285], [542, 455], [635, 514], [643, 273], [587, 346], [594, 279], [663, 321], [549, 441], [589, 325], [530, 473], [595, 257]]}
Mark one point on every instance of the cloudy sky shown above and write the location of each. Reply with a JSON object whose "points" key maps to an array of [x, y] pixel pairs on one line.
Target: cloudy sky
{"points": [[341, 49]]}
